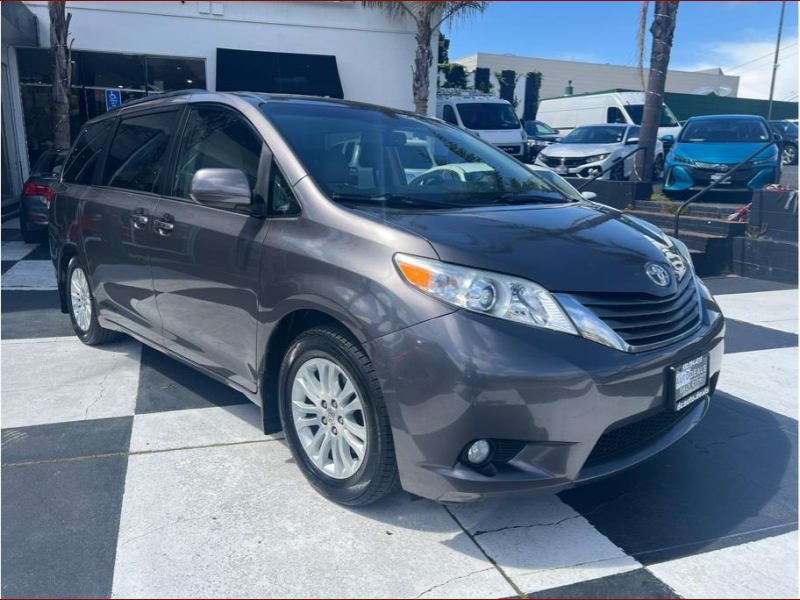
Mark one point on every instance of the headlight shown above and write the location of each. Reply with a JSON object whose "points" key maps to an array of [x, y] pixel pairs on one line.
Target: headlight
{"points": [[501, 296], [596, 157], [766, 160], [683, 159]]}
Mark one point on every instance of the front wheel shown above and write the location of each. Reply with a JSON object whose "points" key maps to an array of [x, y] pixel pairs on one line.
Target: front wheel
{"points": [[789, 155], [658, 168], [335, 419]]}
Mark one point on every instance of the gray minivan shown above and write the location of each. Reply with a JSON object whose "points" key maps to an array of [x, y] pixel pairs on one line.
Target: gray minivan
{"points": [[470, 330]]}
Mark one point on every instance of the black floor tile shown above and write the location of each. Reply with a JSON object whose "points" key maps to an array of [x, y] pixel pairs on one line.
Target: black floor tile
{"points": [[33, 314], [42, 252], [166, 384], [639, 583], [745, 337], [732, 479], [743, 285], [9, 234], [6, 265], [59, 528], [66, 440]]}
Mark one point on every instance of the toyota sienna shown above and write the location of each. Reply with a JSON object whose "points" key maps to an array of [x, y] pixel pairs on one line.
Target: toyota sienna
{"points": [[460, 332]]}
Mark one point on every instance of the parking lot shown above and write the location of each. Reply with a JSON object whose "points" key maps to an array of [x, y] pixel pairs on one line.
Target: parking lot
{"points": [[126, 473]]}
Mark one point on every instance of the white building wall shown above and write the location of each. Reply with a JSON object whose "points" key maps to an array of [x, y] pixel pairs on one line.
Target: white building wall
{"points": [[591, 77], [374, 54]]}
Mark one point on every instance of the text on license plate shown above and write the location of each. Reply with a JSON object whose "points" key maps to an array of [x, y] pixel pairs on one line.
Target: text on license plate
{"points": [[691, 379]]}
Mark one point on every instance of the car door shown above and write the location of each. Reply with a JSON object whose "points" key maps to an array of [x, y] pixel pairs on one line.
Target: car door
{"points": [[206, 259], [117, 215]]}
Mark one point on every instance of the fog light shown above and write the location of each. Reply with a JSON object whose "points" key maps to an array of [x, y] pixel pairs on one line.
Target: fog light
{"points": [[478, 452]]}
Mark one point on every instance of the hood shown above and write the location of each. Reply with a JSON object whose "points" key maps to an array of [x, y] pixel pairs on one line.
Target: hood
{"points": [[577, 247], [499, 136], [579, 150], [720, 152]]}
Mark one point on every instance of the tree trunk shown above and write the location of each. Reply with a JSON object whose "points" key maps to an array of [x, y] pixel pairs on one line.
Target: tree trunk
{"points": [[422, 63], [662, 29], [62, 73]]}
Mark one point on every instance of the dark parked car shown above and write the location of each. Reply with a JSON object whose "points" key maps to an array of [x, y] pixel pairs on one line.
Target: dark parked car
{"points": [[540, 135], [470, 336], [37, 193], [788, 132]]}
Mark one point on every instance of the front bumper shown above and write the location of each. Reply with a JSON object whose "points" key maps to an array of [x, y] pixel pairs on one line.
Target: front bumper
{"points": [[464, 376], [584, 170], [680, 176]]}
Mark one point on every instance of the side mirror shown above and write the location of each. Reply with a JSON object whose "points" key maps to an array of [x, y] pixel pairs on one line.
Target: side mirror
{"points": [[588, 195], [557, 140], [631, 141], [668, 139], [777, 138], [227, 187]]}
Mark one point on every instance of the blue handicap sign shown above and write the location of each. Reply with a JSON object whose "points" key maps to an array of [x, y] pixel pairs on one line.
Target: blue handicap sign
{"points": [[113, 98]]}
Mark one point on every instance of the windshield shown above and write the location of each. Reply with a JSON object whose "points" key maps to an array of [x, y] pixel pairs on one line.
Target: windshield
{"points": [[725, 130], [538, 128], [667, 117], [381, 157], [488, 115], [784, 127], [595, 134]]}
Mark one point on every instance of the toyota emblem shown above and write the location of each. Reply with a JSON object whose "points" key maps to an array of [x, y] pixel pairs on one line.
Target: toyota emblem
{"points": [[657, 274]]}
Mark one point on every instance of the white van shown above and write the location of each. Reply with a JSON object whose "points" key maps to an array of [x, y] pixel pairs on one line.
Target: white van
{"points": [[490, 118], [568, 112]]}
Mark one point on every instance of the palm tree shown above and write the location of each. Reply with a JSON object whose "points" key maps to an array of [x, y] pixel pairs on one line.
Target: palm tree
{"points": [[428, 17], [60, 51], [662, 30]]}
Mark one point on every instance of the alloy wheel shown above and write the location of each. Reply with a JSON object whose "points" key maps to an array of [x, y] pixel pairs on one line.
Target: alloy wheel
{"points": [[81, 299], [788, 155], [328, 418]]}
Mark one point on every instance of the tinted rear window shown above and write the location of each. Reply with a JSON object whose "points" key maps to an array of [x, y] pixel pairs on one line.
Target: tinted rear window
{"points": [[83, 158], [725, 130]]}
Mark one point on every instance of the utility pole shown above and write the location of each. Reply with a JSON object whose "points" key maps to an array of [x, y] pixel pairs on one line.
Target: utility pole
{"points": [[775, 62]]}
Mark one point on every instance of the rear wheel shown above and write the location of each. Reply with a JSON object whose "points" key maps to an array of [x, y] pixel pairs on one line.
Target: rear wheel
{"points": [[82, 311], [658, 168], [335, 419], [28, 236]]}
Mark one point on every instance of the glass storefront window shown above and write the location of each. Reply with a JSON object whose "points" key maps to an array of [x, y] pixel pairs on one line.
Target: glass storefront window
{"points": [[93, 73]]}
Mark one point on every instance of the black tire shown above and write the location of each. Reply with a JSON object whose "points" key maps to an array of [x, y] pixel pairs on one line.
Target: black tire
{"points": [[377, 475], [789, 154], [28, 236], [658, 168], [94, 335]]}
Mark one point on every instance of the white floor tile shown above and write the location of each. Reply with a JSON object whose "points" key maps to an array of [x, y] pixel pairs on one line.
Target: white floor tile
{"points": [[540, 542], [766, 568], [16, 250], [776, 309], [30, 275], [241, 521], [198, 427], [61, 379], [764, 377]]}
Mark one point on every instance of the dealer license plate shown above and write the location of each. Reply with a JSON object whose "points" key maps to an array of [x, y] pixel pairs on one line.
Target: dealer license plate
{"points": [[690, 381]]}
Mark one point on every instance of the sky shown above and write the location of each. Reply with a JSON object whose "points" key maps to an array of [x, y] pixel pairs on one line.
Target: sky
{"points": [[739, 37]]}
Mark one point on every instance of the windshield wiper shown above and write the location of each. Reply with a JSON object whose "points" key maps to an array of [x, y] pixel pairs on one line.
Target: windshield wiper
{"points": [[532, 198], [394, 200]]}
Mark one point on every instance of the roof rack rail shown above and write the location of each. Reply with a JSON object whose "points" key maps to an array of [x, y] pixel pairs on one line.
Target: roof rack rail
{"points": [[158, 96]]}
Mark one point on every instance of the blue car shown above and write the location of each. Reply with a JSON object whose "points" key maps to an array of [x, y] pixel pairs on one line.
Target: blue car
{"points": [[708, 147]]}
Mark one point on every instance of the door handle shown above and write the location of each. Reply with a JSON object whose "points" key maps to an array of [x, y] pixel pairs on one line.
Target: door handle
{"points": [[164, 225], [139, 219]]}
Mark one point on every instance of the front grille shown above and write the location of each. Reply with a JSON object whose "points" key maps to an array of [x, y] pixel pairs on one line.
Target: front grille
{"points": [[555, 161], [646, 320], [629, 437], [742, 176]]}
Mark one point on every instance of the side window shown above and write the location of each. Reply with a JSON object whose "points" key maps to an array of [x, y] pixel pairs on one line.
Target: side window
{"points": [[281, 197], [138, 154], [614, 115], [88, 147], [216, 138], [449, 115]]}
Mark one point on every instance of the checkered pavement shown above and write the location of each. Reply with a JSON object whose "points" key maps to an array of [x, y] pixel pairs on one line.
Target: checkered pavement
{"points": [[127, 474]]}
